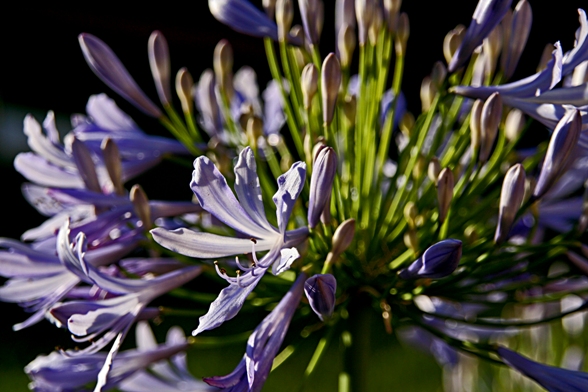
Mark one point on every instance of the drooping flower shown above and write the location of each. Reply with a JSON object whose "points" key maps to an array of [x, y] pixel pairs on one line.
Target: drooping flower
{"points": [[246, 216], [263, 345]]}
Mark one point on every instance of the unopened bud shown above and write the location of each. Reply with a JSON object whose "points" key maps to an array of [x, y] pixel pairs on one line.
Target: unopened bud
{"points": [[309, 82], [85, 164], [492, 46], [284, 16], [434, 169], [452, 41], [522, 20], [438, 74], [184, 85], [113, 165], [311, 12], [269, 6], [471, 233], [254, 130], [514, 124], [297, 33], [511, 198], [445, 184], [475, 126], [563, 141], [489, 121], [346, 45], [375, 27], [410, 214], [320, 291], [223, 67], [321, 184], [407, 123], [343, 237], [364, 12], [141, 206], [160, 66], [330, 83], [438, 261], [419, 167], [391, 10], [402, 33], [428, 92]]}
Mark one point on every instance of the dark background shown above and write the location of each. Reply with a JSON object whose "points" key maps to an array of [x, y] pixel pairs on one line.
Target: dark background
{"points": [[42, 68]]}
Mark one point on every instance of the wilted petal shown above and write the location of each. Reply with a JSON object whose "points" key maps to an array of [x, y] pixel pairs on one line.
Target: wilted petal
{"points": [[320, 291]]}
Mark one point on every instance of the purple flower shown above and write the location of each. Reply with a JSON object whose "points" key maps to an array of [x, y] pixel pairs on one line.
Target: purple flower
{"points": [[320, 290], [60, 372], [549, 377], [246, 216], [487, 15], [242, 16], [438, 261], [263, 345]]}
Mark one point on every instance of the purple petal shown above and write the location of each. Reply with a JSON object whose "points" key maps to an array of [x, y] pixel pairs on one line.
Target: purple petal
{"points": [[320, 291], [289, 186]]}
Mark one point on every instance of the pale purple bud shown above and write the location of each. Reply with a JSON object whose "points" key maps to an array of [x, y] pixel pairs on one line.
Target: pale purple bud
{"points": [[113, 164], [522, 20], [269, 6], [85, 164], [346, 45], [434, 169], [343, 236], [344, 14], [402, 33], [320, 290], [223, 67], [141, 205], [376, 26], [452, 41], [110, 70], [492, 46], [321, 184], [364, 12], [309, 82], [428, 92], [284, 16], [438, 261], [439, 73], [562, 143], [514, 124], [330, 83], [511, 198], [489, 121], [391, 10], [487, 15], [160, 66], [184, 85], [311, 12], [475, 127], [445, 184]]}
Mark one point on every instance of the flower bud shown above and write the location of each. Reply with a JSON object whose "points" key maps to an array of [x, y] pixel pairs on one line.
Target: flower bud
{"points": [[330, 83], [343, 237], [475, 118], [407, 123], [297, 33], [85, 164], [309, 82], [364, 12], [514, 124], [254, 130], [438, 261], [320, 290], [428, 92], [402, 33], [452, 41], [346, 45], [269, 6], [110, 70], [223, 67], [141, 205], [522, 20], [438, 74], [375, 27], [411, 241], [445, 186], [184, 85], [511, 198], [562, 143], [492, 46], [321, 184], [391, 10], [113, 165], [410, 213], [434, 169], [489, 121], [160, 66], [312, 15], [284, 16]]}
